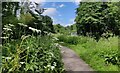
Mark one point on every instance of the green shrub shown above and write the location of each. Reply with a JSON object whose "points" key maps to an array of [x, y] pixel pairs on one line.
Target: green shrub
{"points": [[68, 39], [62, 38], [31, 54], [72, 40]]}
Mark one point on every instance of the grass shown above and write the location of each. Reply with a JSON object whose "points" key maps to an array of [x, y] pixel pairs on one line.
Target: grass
{"points": [[101, 56]]}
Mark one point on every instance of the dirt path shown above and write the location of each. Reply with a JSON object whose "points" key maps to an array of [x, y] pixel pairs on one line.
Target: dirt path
{"points": [[72, 62]]}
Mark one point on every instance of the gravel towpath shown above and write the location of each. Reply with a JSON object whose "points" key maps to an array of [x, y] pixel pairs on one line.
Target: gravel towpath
{"points": [[72, 61]]}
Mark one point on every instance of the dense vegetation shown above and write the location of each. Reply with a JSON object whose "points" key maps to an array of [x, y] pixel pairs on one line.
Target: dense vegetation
{"points": [[24, 46], [31, 54], [67, 30], [101, 56], [100, 19], [98, 29], [27, 22], [26, 30]]}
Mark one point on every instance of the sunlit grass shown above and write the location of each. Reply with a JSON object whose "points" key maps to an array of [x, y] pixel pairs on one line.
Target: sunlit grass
{"points": [[97, 54]]}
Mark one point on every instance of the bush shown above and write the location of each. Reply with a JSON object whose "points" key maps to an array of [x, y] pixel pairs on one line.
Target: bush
{"points": [[68, 39], [62, 38], [31, 54], [73, 40]]}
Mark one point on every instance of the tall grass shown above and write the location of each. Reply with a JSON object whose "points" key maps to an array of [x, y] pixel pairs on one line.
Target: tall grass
{"points": [[101, 56], [31, 54], [67, 39]]}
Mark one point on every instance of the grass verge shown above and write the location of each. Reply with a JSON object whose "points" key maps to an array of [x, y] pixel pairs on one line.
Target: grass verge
{"points": [[101, 56]]}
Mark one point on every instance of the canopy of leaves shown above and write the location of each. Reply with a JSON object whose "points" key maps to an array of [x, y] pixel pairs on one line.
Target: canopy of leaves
{"points": [[22, 18], [97, 19]]}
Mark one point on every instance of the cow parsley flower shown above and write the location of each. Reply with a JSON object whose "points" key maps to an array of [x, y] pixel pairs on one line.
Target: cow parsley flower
{"points": [[11, 25], [8, 29], [35, 30], [52, 67], [21, 24], [4, 37]]}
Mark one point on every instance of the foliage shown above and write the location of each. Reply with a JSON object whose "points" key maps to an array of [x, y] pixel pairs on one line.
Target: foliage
{"points": [[25, 47], [23, 23], [97, 19], [68, 39], [60, 29], [49, 24], [72, 28], [101, 56], [31, 54], [65, 30], [9, 10]]}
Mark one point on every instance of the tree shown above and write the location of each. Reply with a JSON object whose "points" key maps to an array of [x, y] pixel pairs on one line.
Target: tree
{"points": [[9, 18], [96, 19], [27, 22], [9, 12], [40, 22], [48, 23]]}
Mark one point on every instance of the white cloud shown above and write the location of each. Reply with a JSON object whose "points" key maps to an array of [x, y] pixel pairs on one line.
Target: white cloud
{"points": [[38, 1], [72, 21], [62, 5], [50, 11], [77, 1], [68, 25], [56, 21]]}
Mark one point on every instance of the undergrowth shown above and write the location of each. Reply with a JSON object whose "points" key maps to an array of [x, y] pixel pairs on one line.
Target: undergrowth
{"points": [[31, 54], [101, 55]]}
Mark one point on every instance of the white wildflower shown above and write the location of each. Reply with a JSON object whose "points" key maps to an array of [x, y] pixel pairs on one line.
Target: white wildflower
{"points": [[52, 67], [4, 37], [21, 24], [54, 63], [8, 58], [35, 30], [22, 62], [48, 65], [38, 31], [5, 9], [32, 29], [7, 29], [11, 25]]}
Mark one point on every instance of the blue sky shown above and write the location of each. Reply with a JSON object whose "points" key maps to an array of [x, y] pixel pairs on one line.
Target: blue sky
{"points": [[61, 12]]}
